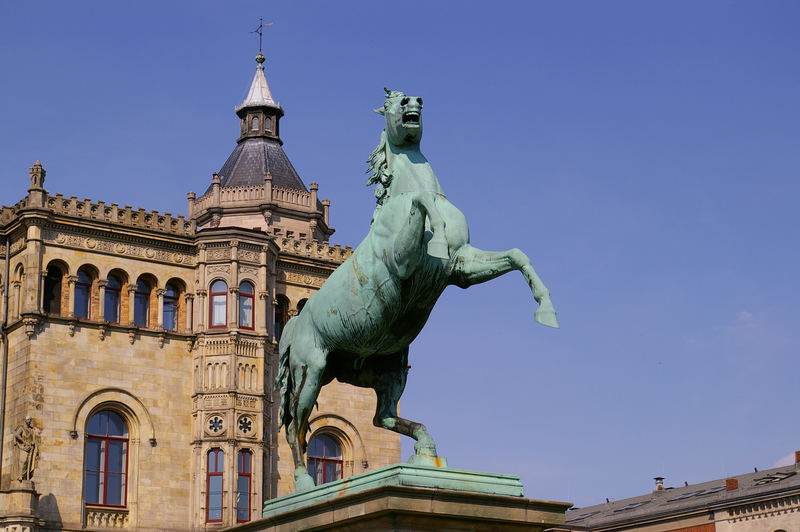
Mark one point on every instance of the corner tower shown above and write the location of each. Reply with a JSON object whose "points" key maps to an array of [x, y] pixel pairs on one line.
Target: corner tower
{"points": [[258, 187]]}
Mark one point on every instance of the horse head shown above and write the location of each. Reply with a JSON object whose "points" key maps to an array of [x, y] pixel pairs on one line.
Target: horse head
{"points": [[403, 116]]}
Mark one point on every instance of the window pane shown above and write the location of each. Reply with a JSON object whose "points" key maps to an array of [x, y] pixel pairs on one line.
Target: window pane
{"points": [[333, 471], [245, 311], [91, 489], [218, 316], [52, 291], [315, 471], [116, 457], [315, 446], [170, 315], [141, 310], [81, 301], [246, 288], [111, 306], [215, 497], [93, 450], [242, 499], [219, 286], [96, 424], [116, 425], [84, 277], [244, 461], [171, 291], [113, 282], [115, 489]]}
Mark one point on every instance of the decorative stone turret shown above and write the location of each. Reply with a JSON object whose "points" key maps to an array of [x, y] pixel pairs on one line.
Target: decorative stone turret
{"points": [[257, 187]]}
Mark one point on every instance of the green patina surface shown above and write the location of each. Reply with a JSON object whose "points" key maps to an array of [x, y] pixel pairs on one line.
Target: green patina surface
{"points": [[357, 328], [400, 475]]}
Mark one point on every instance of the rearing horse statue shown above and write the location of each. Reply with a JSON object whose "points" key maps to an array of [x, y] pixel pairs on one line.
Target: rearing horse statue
{"points": [[358, 326]]}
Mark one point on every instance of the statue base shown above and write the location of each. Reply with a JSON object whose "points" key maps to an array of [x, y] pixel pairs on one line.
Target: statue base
{"points": [[411, 498]]}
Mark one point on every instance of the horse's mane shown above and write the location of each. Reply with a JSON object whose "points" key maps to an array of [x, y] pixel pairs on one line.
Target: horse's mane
{"points": [[378, 166]]}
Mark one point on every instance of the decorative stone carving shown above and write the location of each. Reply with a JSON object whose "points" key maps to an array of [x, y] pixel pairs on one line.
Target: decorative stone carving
{"points": [[97, 243], [26, 442], [246, 425], [215, 425]]}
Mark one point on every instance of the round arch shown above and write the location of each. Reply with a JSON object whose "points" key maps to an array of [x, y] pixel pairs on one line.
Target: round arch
{"points": [[116, 399]]}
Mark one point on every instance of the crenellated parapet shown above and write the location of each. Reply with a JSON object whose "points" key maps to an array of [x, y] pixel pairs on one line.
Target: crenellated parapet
{"points": [[314, 250], [113, 213]]}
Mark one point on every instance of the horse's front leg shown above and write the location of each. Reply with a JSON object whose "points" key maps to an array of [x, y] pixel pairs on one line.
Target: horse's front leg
{"points": [[474, 266], [437, 245]]}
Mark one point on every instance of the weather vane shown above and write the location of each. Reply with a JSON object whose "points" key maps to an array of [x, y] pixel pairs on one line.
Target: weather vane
{"points": [[260, 31]]}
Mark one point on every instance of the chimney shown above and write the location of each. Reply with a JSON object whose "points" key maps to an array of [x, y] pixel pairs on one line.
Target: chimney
{"points": [[797, 457], [659, 483], [731, 484]]}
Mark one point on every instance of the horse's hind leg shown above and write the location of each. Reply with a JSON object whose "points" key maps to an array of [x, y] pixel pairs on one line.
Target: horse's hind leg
{"points": [[388, 382], [307, 379], [474, 266]]}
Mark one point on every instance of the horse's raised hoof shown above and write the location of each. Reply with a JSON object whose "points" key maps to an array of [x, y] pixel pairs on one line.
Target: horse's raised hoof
{"points": [[303, 481], [546, 316]]}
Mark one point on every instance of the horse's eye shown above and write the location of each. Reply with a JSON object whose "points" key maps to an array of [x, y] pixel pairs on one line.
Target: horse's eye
{"points": [[419, 101], [404, 101]]}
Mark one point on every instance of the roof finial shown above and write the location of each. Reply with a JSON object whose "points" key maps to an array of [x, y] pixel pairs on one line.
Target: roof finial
{"points": [[260, 30]]}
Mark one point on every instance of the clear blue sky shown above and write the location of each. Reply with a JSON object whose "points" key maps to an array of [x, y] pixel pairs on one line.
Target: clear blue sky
{"points": [[644, 154]]}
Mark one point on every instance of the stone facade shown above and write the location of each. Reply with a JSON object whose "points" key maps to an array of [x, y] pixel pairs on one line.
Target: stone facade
{"points": [[114, 309]]}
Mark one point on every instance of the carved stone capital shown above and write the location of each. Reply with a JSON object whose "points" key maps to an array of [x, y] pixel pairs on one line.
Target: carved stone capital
{"points": [[102, 283], [160, 292], [263, 295], [234, 243], [188, 297], [72, 279]]}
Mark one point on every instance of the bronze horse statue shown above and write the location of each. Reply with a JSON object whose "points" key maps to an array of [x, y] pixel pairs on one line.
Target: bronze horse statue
{"points": [[359, 325]]}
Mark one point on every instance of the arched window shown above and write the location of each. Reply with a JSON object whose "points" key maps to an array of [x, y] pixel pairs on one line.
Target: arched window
{"points": [[171, 307], [243, 485], [246, 305], [301, 304], [141, 304], [281, 314], [106, 468], [52, 290], [216, 466], [267, 123], [324, 459], [112, 298], [83, 292], [218, 304], [254, 126]]}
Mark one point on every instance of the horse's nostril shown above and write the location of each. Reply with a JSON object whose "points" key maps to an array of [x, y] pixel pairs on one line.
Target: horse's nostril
{"points": [[404, 101]]}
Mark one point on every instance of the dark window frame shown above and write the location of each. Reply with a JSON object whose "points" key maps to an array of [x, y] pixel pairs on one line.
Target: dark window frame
{"points": [[87, 286], [219, 471], [136, 297], [211, 295], [173, 301], [118, 292], [248, 475], [105, 441], [322, 461], [243, 296]]}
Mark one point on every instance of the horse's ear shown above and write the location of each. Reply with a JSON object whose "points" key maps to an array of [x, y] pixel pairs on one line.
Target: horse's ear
{"points": [[379, 110], [388, 91]]}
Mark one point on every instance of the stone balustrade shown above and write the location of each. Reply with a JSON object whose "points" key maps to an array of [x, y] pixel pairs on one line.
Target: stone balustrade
{"points": [[314, 249]]}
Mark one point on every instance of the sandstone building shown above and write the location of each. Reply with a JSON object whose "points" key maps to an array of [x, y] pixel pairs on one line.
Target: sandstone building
{"points": [[138, 349]]}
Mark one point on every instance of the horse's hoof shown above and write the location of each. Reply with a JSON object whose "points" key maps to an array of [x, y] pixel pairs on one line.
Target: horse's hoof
{"points": [[438, 249], [546, 316], [303, 482]]}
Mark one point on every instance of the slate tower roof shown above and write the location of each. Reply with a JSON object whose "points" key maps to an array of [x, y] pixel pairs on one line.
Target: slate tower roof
{"points": [[259, 148]]}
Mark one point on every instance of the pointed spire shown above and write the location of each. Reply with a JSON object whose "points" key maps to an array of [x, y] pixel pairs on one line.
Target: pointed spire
{"points": [[259, 94]]}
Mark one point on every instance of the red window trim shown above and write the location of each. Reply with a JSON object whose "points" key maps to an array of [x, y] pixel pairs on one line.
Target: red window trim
{"points": [[249, 476], [218, 454], [105, 469], [252, 298], [211, 306], [323, 460]]}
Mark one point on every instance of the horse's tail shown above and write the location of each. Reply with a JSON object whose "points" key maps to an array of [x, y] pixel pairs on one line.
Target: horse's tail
{"points": [[283, 384]]}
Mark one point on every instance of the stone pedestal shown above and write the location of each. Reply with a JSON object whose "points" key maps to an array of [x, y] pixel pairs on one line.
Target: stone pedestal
{"points": [[18, 508], [410, 498]]}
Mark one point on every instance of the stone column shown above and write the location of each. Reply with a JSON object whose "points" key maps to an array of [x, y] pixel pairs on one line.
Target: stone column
{"points": [[131, 304], [189, 302], [233, 307], [16, 291], [160, 302], [201, 309], [33, 265], [72, 280], [101, 287]]}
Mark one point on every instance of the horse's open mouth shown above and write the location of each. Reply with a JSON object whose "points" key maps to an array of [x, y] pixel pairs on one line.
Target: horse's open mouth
{"points": [[411, 119]]}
